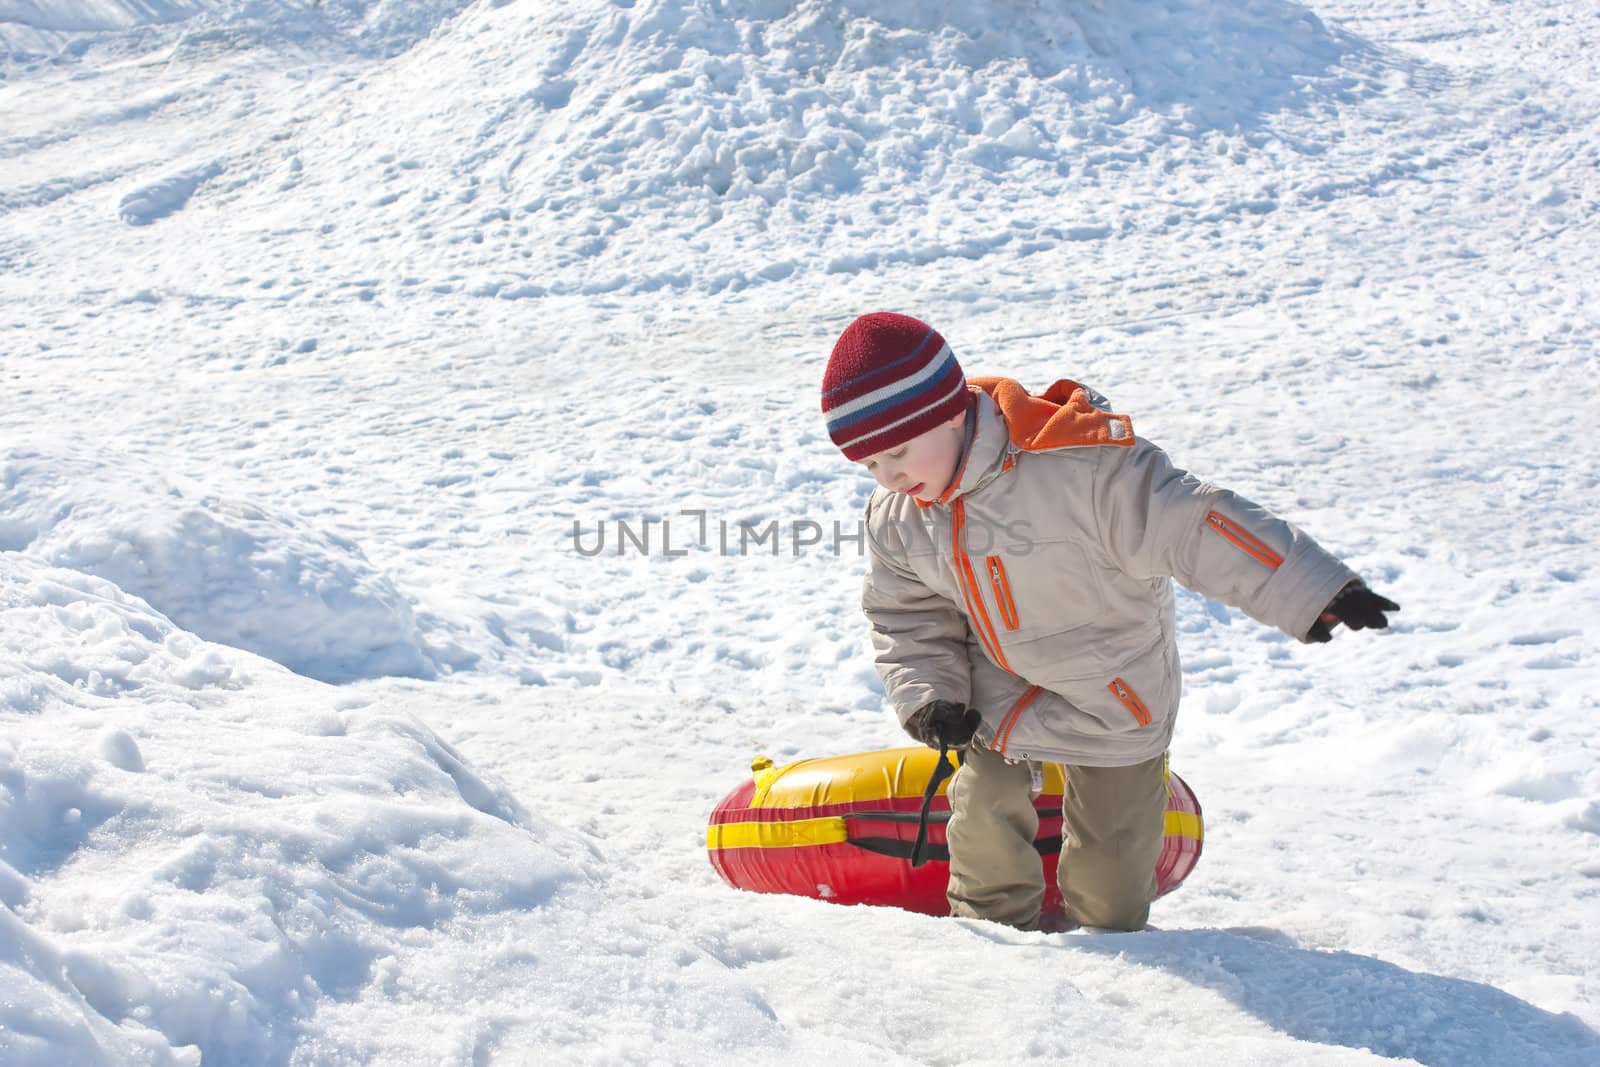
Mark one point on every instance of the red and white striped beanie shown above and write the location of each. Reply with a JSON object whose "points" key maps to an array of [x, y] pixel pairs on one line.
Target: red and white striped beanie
{"points": [[890, 378]]}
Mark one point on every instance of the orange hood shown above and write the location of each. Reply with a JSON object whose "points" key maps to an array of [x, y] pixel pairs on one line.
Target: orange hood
{"points": [[1060, 417]]}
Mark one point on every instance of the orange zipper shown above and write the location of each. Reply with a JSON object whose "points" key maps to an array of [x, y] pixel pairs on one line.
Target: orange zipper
{"points": [[1002, 592], [1130, 700], [1244, 541], [1002, 736], [976, 612]]}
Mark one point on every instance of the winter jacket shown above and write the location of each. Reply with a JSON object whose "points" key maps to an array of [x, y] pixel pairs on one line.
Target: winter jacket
{"points": [[1038, 587]]}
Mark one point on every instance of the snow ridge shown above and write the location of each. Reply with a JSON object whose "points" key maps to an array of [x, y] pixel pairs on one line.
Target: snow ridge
{"points": [[227, 570]]}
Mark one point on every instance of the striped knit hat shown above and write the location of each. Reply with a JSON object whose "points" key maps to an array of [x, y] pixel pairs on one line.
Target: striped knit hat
{"points": [[889, 379]]}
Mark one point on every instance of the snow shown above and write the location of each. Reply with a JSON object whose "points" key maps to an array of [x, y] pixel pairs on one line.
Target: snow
{"points": [[333, 337], [227, 570]]}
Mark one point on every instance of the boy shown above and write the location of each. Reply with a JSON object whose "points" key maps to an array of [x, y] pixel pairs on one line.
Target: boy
{"points": [[1021, 551]]}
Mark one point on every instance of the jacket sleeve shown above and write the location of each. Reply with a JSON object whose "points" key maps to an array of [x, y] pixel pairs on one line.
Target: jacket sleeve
{"points": [[1158, 520], [918, 636]]}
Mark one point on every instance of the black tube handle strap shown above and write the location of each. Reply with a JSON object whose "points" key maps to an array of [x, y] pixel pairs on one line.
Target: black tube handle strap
{"points": [[943, 770]]}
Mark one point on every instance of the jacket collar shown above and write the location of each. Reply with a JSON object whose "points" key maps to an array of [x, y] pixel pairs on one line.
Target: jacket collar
{"points": [[1009, 419], [985, 452]]}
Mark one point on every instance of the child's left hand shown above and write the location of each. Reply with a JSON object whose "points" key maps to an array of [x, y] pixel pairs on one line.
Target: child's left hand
{"points": [[1357, 607]]}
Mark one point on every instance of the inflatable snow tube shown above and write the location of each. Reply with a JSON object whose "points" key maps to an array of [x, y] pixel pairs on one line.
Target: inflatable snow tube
{"points": [[841, 829]]}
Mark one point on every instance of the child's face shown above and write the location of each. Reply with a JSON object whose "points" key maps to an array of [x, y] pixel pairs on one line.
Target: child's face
{"points": [[924, 465]]}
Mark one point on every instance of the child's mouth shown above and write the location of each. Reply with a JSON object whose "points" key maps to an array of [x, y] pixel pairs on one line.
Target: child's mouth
{"points": [[915, 489]]}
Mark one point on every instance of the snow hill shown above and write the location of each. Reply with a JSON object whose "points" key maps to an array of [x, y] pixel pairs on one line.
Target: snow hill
{"points": [[382, 382]]}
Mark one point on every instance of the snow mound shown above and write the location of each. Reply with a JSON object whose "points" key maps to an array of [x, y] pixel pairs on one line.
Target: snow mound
{"points": [[47, 1020], [68, 631], [195, 878], [818, 120], [283, 873], [230, 571], [232, 888], [776, 101]]}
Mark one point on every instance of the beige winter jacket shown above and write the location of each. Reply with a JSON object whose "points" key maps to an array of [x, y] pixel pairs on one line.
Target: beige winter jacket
{"points": [[1038, 588]]}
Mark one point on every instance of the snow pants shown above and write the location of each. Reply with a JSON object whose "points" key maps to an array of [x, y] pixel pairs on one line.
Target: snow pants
{"points": [[1113, 828]]}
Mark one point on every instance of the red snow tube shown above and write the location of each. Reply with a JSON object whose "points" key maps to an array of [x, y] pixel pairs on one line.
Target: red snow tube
{"points": [[841, 829]]}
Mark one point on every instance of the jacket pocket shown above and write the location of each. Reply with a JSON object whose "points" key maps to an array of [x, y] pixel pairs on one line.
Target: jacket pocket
{"points": [[1002, 734], [1243, 540], [1130, 700], [1083, 720], [1002, 592]]}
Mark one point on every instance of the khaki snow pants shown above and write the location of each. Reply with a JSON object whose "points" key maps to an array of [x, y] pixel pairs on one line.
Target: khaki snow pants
{"points": [[1113, 828]]}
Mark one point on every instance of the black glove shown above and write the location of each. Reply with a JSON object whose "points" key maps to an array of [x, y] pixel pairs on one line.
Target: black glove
{"points": [[1357, 607], [943, 722]]}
